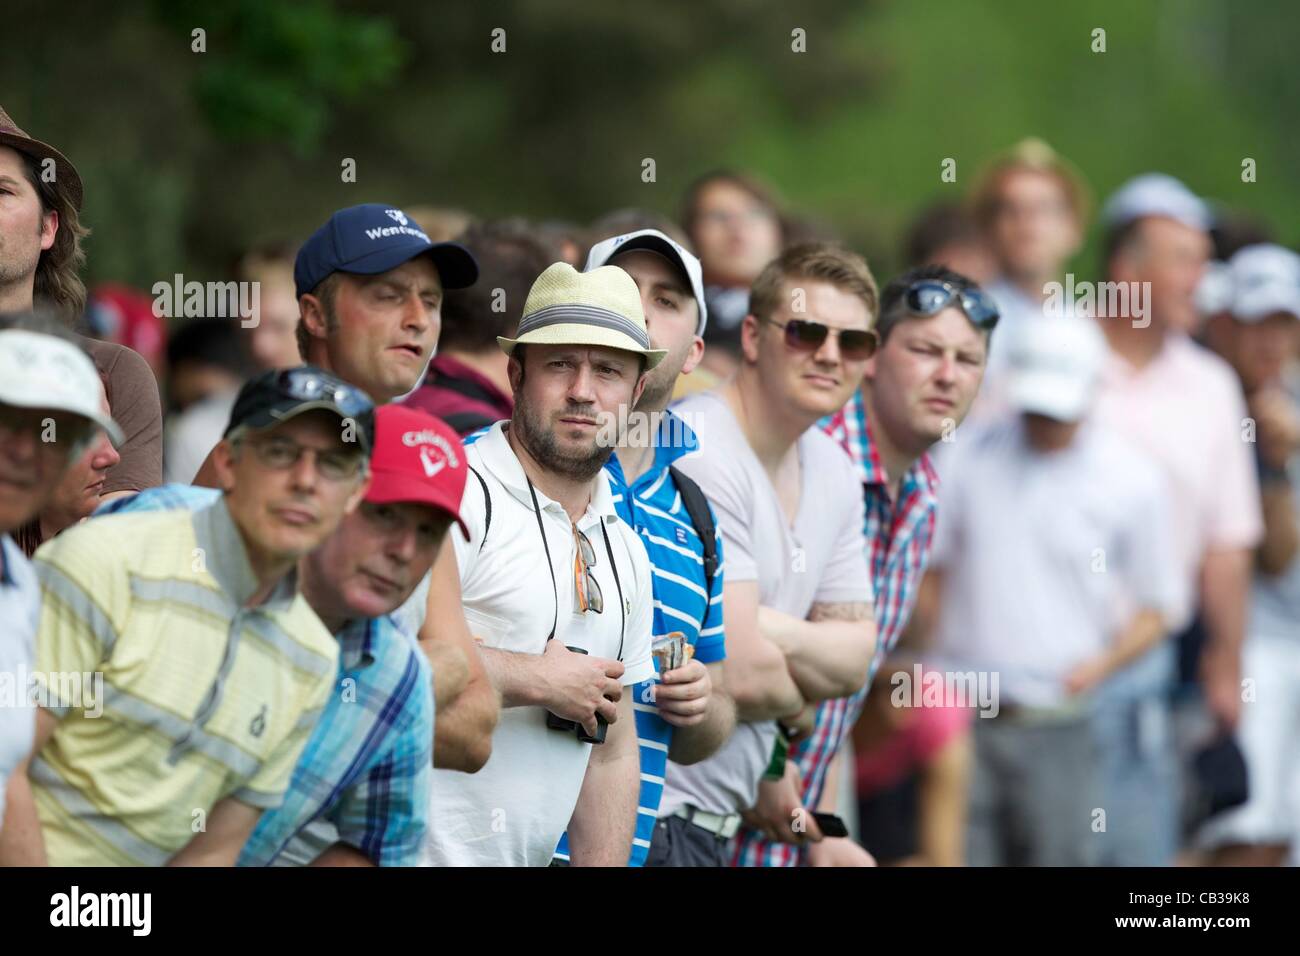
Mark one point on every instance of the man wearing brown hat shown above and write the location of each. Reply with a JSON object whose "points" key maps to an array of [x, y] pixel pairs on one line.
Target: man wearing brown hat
{"points": [[40, 258]]}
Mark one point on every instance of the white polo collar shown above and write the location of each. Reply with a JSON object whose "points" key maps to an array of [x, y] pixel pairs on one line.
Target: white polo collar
{"points": [[500, 459]]}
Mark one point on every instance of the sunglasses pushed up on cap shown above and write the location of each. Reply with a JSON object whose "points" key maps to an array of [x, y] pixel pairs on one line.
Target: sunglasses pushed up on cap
{"points": [[275, 396], [309, 385], [931, 296]]}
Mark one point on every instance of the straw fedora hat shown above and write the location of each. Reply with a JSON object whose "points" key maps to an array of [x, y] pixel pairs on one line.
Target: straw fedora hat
{"points": [[65, 173], [601, 307]]}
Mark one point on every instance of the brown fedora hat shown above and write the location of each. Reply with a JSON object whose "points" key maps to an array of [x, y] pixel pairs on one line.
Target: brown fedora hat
{"points": [[66, 176]]}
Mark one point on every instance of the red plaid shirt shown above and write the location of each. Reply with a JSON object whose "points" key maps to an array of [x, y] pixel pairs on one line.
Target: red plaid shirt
{"points": [[898, 549]]}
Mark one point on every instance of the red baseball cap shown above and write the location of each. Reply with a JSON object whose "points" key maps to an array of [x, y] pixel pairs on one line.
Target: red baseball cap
{"points": [[417, 458]]}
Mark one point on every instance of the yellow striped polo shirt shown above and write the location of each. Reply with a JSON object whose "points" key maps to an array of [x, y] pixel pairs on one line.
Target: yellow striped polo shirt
{"points": [[202, 698]]}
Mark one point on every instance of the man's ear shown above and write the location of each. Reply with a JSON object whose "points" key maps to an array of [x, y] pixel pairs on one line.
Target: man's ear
{"points": [[354, 501], [639, 388], [694, 356], [311, 313], [869, 370], [49, 228], [750, 329], [515, 372], [223, 463]]}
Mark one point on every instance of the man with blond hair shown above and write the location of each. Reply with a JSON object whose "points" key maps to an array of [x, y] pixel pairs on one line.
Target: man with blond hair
{"points": [[1032, 205], [797, 596]]}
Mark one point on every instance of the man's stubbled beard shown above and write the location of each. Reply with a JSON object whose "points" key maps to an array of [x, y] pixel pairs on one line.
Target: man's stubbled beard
{"points": [[541, 444]]}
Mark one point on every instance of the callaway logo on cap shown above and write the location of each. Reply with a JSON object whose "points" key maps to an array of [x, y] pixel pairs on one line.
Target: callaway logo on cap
{"points": [[417, 458], [436, 452]]}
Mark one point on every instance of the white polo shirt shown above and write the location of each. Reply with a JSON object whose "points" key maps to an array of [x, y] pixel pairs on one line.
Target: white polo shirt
{"points": [[513, 811]]}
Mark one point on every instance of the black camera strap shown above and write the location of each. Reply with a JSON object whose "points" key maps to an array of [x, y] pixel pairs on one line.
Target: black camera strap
{"points": [[622, 608], [555, 588]]}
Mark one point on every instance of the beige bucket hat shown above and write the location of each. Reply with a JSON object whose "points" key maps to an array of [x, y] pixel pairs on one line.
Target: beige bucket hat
{"points": [[601, 307]]}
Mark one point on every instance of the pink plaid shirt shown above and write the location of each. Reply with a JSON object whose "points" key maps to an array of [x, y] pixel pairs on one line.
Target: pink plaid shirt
{"points": [[898, 548]]}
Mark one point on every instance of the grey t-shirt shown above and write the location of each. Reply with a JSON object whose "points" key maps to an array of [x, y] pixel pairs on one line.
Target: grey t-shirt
{"points": [[822, 559]]}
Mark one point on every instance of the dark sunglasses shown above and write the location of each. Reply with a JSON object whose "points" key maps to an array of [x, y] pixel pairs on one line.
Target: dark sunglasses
{"points": [[804, 336], [306, 385], [930, 297]]}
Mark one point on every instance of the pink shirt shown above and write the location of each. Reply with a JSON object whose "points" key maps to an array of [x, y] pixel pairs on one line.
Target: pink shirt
{"points": [[1186, 409], [926, 731]]}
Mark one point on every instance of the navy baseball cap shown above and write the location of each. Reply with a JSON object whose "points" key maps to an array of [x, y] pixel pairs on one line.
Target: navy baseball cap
{"points": [[373, 238]]}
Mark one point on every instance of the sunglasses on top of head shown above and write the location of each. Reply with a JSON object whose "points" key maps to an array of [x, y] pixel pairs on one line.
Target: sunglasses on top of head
{"points": [[803, 335], [931, 296], [306, 385]]}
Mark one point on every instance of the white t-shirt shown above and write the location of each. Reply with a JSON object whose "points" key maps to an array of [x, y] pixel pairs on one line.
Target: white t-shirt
{"points": [[20, 605], [513, 811], [822, 559], [409, 615], [1046, 556]]}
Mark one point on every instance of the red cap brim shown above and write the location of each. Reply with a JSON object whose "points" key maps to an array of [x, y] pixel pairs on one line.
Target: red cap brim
{"points": [[390, 487]]}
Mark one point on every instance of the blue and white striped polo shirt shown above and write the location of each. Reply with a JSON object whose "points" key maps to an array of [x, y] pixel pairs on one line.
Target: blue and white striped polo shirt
{"points": [[653, 507]]}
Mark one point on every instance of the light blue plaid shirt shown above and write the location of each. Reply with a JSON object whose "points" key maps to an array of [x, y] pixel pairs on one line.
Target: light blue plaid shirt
{"points": [[367, 768]]}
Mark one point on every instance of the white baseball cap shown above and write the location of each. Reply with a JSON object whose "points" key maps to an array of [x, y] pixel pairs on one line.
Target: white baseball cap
{"points": [[1156, 194], [1055, 366], [652, 240], [1265, 280], [45, 371], [1214, 291]]}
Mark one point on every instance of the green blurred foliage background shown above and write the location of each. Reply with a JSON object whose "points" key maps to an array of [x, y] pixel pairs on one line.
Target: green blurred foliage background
{"points": [[188, 157]]}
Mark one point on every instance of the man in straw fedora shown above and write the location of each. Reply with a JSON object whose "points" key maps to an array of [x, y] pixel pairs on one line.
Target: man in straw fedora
{"points": [[556, 589]]}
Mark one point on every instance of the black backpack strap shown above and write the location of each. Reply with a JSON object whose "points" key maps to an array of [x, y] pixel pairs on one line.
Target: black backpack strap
{"points": [[487, 506], [622, 605], [697, 506]]}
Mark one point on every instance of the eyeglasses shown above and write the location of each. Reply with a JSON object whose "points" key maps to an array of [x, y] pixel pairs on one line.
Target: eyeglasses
{"points": [[586, 585], [931, 296], [68, 435], [309, 386], [804, 336], [278, 452]]}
